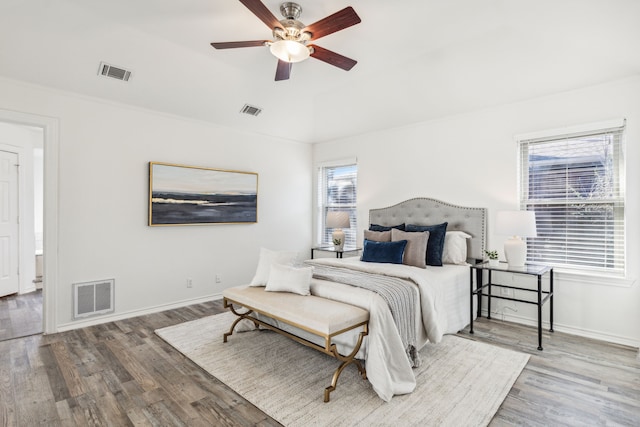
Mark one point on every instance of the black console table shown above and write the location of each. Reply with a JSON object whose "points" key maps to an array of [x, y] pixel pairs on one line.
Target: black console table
{"points": [[481, 290]]}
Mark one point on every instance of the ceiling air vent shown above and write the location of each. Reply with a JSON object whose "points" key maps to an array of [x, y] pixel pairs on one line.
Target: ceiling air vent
{"points": [[251, 110], [107, 70]]}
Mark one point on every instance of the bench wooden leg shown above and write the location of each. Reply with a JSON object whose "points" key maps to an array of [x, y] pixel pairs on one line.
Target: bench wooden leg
{"points": [[346, 360]]}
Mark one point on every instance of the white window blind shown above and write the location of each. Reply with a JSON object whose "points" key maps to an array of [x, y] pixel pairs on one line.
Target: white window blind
{"points": [[337, 191], [575, 184]]}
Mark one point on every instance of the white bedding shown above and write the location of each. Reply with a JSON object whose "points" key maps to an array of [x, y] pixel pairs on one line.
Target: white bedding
{"points": [[444, 308]]}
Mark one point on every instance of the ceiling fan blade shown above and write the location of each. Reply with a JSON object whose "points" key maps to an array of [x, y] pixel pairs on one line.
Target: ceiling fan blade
{"points": [[333, 58], [283, 71], [332, 23], [232, 45], [261, 11]]}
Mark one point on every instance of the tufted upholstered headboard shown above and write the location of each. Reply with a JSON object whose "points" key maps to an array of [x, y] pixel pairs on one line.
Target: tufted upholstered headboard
{"points": [[425, 211]]}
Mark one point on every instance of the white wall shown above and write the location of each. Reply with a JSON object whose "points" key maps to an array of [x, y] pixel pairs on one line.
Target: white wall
{"points": [[104, 150], [471, 160]]}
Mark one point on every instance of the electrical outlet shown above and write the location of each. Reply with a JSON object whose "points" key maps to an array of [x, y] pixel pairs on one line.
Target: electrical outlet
{"points": [[189, 283], [218, 279]]}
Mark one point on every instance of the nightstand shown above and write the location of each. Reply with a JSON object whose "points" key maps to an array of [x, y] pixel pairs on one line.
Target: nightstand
{"points": [[481, 290], [332, 249]]}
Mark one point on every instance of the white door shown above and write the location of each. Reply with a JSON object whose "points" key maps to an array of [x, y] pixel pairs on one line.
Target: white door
{"points": [[9, 280]]}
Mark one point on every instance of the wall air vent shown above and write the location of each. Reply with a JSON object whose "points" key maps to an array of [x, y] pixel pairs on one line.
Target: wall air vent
{"points": [[92, 298], [251, 110], [118, 73]]}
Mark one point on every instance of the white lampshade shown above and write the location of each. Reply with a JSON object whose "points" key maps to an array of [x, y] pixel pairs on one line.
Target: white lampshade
{"points": [[290, 50], [516, 224], [338, 220]]}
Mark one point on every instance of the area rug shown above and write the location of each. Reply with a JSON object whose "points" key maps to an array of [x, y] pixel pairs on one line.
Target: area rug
{"points": [[460, 383]]}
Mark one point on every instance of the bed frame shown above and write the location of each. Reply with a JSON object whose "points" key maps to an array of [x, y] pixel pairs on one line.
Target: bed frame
{"points": [[426, 211]]}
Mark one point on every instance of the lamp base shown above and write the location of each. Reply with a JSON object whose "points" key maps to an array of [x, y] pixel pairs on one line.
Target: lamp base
{"points": [[338, 239], [515, 250]]}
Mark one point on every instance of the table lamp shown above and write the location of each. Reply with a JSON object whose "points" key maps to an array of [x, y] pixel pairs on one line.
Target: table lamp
{"points": [[517, 224], [338, 220]]}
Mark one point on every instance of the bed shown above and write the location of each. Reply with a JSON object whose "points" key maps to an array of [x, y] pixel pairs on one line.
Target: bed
{"points": [[437, 295]]}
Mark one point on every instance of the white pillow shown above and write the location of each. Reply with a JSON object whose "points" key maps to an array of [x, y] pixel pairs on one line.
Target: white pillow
{"points": [[455, 247], [284, 278], [267, 258]]}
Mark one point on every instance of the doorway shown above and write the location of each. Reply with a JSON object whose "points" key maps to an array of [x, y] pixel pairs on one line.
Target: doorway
{"points": [[21, 219], [35, 140]]}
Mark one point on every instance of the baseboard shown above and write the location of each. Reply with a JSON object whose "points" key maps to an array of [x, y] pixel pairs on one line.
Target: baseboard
{"points": [[134, 313], [615, 339]]}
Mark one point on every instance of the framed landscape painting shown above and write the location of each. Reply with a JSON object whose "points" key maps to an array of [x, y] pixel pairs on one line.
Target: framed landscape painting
{"points": [[190, 195]]}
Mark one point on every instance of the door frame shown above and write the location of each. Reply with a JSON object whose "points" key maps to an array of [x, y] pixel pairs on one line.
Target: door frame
{"points": [[50, 128]]}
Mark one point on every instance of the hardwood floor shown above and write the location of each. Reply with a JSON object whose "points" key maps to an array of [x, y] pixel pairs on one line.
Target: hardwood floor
{"points": [[20, 315], [574, 381], [121, 373]]}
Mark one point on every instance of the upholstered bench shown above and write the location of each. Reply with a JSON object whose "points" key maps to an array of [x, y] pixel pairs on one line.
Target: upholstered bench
{"points": [[321, 317]]}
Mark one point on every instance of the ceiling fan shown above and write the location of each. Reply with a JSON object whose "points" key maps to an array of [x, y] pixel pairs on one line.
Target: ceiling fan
{"points": [[290, 36]]}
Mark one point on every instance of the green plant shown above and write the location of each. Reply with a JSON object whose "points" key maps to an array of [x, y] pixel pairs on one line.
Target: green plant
{"points": [[492, 254], [337, 241]]}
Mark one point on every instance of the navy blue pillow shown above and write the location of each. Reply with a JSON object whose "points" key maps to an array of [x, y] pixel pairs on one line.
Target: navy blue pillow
{"points": [[389, 252], [376, 227], [435, 244]]}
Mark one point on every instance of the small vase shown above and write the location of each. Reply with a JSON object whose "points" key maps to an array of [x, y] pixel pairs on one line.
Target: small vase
{"points": [[494, 263]]}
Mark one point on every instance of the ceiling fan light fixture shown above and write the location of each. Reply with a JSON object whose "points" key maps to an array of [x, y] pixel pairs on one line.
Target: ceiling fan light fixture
{"points": [[289, 50], [291, 37]]}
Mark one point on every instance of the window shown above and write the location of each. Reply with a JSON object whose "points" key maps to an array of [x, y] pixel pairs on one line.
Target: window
{"points": [[337, 192], [575, 185]]}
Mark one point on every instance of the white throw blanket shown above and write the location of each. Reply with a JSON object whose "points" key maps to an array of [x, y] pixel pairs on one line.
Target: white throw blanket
{"points": [[400, 295], [388, 368]]}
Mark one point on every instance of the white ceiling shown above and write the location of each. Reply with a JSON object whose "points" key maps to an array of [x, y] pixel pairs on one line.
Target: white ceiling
{"points": [[417, 59]]}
